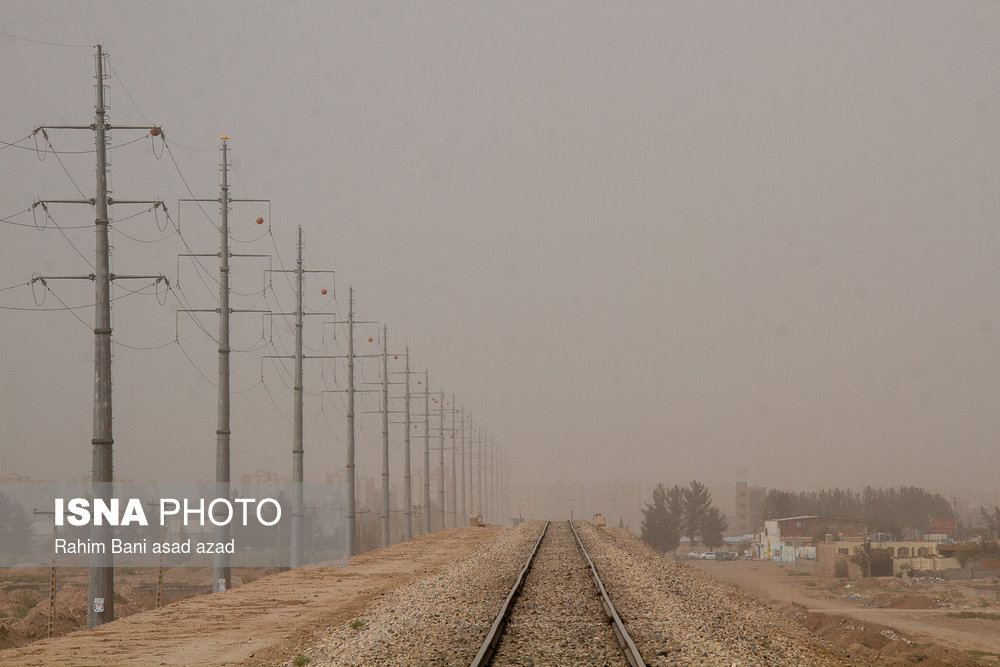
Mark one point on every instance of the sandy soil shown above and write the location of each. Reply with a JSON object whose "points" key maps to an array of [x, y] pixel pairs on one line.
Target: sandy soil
{"points": [[259, 623], [924, 624]]}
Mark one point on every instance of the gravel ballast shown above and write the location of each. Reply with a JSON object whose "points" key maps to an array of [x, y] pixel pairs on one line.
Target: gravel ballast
{"points": [[677, 615], [437, 620], [558, 619]]}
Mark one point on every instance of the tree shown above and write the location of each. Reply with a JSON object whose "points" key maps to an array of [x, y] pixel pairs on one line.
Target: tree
{"points": [[16, 529], [778, 504], [675, 510], [697, 500], [714, 527], [991, 522], [654, 517], [659, 530]]}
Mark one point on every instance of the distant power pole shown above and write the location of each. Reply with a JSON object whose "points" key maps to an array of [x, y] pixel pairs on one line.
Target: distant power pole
{"points": [[385, 436], [487, 482], [427, 454], [352, 528], [296, 557], [479, 474], [407, 487], [297, 532], [100, 603], [221, 575], [441, 497], [454, 482], [463, 514]]}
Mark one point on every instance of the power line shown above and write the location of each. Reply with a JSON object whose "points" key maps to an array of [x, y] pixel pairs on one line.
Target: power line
{"points": [[52, 151], [39, 41]]}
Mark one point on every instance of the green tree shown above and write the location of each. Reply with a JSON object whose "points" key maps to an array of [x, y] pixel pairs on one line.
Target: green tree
{"points": [[675, 510], [16, 529], [697, 500], [779, 504], [990, 522], [658, 528], [714, 527]]}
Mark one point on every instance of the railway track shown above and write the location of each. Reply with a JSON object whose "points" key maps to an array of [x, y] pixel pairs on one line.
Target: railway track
{"points": [[558, 611]]}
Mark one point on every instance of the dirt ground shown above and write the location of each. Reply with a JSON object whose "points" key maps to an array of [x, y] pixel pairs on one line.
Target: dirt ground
{"points": [[871, 614], [259, 623]]}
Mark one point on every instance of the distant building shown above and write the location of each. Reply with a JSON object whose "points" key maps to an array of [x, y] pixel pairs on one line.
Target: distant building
{"points": [[809, 528], [260, 475], [749, 508]]}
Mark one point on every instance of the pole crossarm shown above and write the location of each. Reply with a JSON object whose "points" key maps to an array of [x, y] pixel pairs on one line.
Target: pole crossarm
{"points": [[42, 279], [43, 202], [158, 277], [304, 314], [42, 128], [303, 271]]}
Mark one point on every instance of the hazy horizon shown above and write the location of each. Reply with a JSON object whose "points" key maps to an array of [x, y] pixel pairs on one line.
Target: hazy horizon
{"points": [[649, 241]]}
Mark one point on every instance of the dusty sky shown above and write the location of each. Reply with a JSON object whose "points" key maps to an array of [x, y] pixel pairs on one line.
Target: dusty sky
{"points": [[653, 241]]}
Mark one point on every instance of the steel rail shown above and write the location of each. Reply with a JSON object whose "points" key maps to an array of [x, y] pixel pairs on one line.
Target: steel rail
{"points": [[628, 646], [489, 646]]}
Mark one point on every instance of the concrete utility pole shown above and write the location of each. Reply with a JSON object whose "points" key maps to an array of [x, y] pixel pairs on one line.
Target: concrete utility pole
{"points": [[463, 514], [102, 574], [407, 489], [441, 462], [297, 532], [454, 481], [296, 557], [385, 436], [427, 454], [479, 475], [487, 482], [100, 603], [352, 526], [221, 575]]}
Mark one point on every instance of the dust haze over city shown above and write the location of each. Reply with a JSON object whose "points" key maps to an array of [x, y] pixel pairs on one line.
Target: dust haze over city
{"points": [[638, 241]]}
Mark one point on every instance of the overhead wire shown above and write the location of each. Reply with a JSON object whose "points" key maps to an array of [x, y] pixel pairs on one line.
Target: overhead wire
{"points": [[39, 41], [52, 151]]}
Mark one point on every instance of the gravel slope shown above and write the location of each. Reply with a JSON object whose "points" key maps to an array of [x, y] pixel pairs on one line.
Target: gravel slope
{"points": [[437, 620], [680, 616]]}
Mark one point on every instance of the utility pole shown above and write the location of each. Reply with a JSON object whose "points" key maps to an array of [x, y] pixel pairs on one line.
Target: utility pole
{"points": [[297, 533], [441, 497], [461, 445], [487, 482], [479, 475], [102, 574], [407, 490], [351, 500], [296, 557], [427, 454], [100, 602], [454, 481], [221, 575], [385, 436]]}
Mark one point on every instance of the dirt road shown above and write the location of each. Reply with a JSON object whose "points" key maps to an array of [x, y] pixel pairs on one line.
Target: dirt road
{"points": [[768, 580], [252, 624]]}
